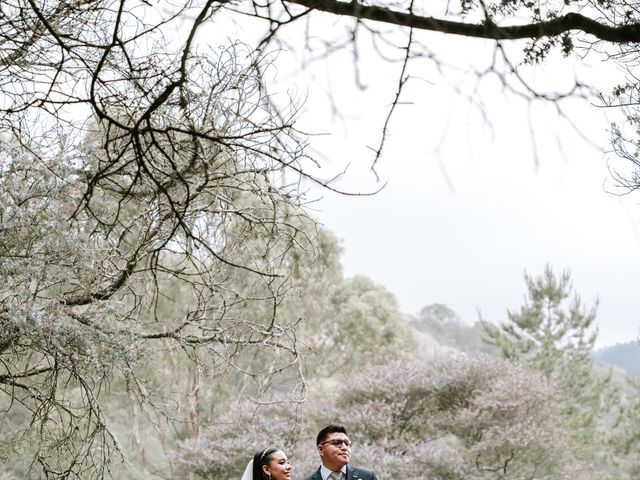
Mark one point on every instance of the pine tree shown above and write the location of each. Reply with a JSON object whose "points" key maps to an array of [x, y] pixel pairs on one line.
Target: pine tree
{"points": [[554, 334]]}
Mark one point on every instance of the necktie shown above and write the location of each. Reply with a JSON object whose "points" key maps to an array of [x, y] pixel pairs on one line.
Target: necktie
{"points": [[335, 476]]}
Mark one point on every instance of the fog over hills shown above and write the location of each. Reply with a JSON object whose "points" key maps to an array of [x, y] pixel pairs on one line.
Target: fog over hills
{"points": [[624, 355], [438, 329]]}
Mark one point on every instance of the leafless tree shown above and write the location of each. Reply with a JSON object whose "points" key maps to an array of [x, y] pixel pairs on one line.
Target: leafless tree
{"points": [[148, 196]]}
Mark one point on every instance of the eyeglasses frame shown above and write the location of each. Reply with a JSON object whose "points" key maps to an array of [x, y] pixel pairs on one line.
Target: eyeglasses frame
{"points": [[337, 442]]}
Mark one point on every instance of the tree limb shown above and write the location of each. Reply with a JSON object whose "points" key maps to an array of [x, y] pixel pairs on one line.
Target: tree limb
{"points": [[572, 21]]}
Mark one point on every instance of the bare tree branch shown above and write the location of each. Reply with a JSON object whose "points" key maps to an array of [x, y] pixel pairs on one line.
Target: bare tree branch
{"points": [[626, 33]]}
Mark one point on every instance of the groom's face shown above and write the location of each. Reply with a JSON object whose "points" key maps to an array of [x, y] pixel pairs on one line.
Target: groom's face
{"points": [[335, 451]]}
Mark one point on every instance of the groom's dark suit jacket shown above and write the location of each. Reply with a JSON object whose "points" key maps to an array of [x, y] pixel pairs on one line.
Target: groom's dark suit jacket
{"points": [[353, 473]]}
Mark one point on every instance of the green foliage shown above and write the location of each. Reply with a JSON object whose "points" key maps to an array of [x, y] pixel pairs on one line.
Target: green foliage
{"points": [[362, 326], [543, 334], [553, 334], [626, 440]]}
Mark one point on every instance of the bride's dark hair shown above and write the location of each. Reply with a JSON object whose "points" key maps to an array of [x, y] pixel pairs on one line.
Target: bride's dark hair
{"points": [[262, 458]]}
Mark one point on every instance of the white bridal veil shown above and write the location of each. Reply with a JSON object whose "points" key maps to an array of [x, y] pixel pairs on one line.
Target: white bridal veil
{"points": [[248, 472]]}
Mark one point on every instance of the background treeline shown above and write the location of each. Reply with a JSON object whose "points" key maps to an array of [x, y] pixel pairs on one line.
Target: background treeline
{"points": [[624, 355], [424, 395]]}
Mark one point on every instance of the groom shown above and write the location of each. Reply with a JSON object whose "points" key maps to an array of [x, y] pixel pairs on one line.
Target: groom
{"points": [[334, 448]]}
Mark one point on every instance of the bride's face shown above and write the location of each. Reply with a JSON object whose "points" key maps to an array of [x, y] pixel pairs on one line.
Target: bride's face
{"points": [[278, 467]]}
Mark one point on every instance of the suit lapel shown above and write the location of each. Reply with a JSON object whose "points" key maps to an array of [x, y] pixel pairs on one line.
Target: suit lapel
{"points": [[353, 475], [350, 474]]}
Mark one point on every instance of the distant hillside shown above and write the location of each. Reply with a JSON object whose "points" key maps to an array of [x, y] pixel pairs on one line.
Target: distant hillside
{"points": [[623, 355], [440, 329]]}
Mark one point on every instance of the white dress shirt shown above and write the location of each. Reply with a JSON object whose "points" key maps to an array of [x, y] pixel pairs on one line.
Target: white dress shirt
{"points": [[325, 472]]}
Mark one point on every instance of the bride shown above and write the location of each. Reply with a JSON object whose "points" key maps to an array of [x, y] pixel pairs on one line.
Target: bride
{"points": [[268, 464]]}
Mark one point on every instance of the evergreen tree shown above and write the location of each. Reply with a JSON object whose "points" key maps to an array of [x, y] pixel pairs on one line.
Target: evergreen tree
{"points": [[627, 433], [554, 334]]}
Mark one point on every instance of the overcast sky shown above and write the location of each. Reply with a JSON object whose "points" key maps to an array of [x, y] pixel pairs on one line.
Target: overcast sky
{"points": [[470, 204]]}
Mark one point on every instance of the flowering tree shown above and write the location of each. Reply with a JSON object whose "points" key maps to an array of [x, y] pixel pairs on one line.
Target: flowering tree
{"points": [[455, 417], [451, 418], [225, 448]]}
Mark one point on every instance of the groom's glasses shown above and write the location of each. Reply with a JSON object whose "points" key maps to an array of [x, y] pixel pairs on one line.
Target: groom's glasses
{"points": [[336, 442]]}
